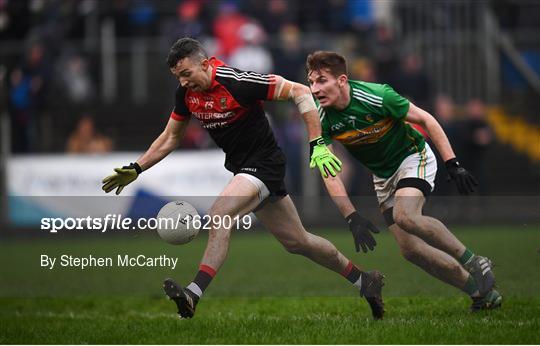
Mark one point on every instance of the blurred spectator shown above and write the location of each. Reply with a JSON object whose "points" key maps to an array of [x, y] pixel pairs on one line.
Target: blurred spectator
{"points": [[187, 23], [226, 27], [363, 69], [337, 13], [383, 12], [27, 98], [85, 139], [142, 17], [384, 50], [445, 113], [22, 88], [475, 136], [15, 19], [413, 81], [361, 16], [38, 67], [289, 57], [272, 14], [312, 15], [252, 55], [77, 84]]}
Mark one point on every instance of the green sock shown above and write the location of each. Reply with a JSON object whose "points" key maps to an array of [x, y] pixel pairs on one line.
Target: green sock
{"points": [[470, 287], [467, 255]]}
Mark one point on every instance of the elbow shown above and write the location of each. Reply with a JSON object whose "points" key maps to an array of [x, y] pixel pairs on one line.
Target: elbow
{"points": [[303, 99], [430, 124], [424, 121]]}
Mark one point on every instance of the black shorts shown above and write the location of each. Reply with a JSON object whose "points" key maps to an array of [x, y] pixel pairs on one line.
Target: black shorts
{"points": [[270, 170]]}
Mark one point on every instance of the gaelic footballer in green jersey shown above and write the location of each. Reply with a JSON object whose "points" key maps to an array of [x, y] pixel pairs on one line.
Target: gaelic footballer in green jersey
{"points": [[371, 121], [371, 127]]}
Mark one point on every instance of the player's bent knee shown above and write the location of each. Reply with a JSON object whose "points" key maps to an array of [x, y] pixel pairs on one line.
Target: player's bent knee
{"points": [[405, 221]]}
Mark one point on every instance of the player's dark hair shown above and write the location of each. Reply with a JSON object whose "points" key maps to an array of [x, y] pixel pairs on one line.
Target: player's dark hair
{"points": [[325, 60], [185, 47]]}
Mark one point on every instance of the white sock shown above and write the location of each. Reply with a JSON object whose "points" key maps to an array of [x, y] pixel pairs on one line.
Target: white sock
{"points": [[193, 287]]}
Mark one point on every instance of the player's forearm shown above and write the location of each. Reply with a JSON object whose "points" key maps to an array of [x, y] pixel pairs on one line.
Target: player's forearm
{"points": [[304, 101], [339, 195], [439, 139], [161, 147], [301, 95], [419, 116], [313, 124]]}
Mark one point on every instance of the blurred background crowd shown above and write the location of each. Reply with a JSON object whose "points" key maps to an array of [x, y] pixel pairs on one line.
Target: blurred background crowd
{"points": [[88, 76]]}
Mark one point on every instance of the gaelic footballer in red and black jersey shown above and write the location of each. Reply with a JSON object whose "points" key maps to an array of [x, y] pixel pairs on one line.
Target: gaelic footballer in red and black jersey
{"points": [[231, 110]]}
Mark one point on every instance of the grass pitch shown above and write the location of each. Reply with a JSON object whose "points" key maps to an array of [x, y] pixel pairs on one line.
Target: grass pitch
{"points": [[261, 295]]}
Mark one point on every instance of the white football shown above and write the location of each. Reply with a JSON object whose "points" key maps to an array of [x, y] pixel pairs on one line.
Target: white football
{"points": [[175, 222]]}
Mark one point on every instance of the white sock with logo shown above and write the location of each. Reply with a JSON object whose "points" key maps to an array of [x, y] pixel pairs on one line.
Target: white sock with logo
{"points": [[193, 287]]}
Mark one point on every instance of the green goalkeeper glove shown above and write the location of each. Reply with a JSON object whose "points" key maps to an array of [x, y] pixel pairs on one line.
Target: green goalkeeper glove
{"points": [[123, 177], [323, 158]]}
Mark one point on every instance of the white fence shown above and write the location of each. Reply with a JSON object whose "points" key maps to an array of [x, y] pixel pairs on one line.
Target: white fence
{"points": [[70, 185]]}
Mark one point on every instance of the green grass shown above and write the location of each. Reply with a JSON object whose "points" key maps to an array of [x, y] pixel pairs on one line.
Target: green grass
{"points": [[261, 295], [285, 320]]}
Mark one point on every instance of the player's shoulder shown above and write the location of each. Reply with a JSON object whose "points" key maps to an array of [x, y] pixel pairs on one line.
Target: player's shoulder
{"points": [[229, 73], [368, 88], [367, 93]]}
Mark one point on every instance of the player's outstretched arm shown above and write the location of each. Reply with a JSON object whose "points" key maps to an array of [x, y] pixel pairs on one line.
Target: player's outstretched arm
{"points": [[464, 180], [321, 157], [162, 146], [417, 115], [360, 227]]}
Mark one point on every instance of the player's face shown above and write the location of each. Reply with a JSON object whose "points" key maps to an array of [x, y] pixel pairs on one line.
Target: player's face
{"points": [[325, 87], [194, 75]]}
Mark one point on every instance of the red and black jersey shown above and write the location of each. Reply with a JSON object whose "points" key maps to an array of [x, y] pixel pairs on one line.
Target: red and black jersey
{"points": [[231, 111]]}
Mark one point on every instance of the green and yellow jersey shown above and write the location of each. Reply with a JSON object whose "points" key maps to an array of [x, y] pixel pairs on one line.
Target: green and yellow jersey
{"points": [[372, 127]]}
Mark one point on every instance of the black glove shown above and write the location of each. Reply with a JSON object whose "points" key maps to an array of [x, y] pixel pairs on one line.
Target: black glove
{"points": [[360, 229], [464, 180]]}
